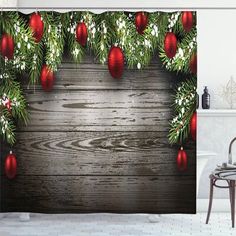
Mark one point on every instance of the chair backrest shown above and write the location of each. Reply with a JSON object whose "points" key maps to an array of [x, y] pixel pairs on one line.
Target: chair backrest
{"points": [[230, 159]]}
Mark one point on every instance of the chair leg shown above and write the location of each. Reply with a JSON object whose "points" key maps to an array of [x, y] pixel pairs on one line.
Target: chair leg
{"points": [[230, 194], [210, 200], [232, 185], [230, 198]]}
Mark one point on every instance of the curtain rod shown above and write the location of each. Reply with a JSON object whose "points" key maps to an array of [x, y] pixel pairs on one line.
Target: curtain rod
{"points": [[117, 8]]}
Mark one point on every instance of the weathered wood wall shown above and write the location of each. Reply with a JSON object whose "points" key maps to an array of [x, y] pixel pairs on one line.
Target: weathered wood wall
{"points": [[97, 144]]}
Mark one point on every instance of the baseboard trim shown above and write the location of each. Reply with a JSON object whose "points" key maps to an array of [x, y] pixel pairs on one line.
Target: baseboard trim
{"points": [[218, 205]]}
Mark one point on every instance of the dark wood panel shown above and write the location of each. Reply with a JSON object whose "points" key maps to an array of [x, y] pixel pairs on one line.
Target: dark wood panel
{"points": [[98, 144], [98, 153], [75, 194], [67, 100], [91, 75], [99, 110]]}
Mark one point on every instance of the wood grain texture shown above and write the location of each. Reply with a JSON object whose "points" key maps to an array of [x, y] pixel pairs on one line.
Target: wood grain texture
{"points": [[90, 75], [98, 144], [98, 153], [54, 194], [99, 110]]}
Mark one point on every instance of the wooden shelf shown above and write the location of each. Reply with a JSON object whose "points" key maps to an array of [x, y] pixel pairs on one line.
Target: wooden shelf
{"points": [[216, 113]]}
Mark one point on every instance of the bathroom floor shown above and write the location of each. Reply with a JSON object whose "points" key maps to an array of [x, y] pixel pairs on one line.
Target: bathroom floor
{"points": [[115, 224]]}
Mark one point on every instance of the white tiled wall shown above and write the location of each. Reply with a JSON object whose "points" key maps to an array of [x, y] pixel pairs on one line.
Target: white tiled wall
{"points": [[8, 3], [214, 134]]}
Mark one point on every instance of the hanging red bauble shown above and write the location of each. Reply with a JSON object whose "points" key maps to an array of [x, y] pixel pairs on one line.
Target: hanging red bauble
{"points": [[7, 46], [8, 105], [182, 160], [141, 21], [193, 126], [47, 78], [81, 34], [36, 24], [187, 20], [116, 62], [193, 64], [170, 44], [10, 166]]}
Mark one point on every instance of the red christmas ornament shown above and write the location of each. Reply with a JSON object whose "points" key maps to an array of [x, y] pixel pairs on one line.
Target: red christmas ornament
{"points": [[36, 24], [47, 78], [187, 20], [10, 166], [8, 105], [193, 126], [141, 21], [7, 46], [116, 62], [193, 64], [170, 44], [182, 160], [81, 34]]}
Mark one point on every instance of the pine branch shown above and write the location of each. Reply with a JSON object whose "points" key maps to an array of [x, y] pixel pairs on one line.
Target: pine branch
{"points": [[185, 106], [10, 89], [104, 30], [187, 45], [12, 102], [89, 19], [36, 64], [7, 127], [53, 39], [13, 24], [69, 22], [103, 35]]}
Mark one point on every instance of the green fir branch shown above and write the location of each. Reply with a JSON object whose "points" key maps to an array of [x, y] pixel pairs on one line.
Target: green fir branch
{"points": [[53, 39], [7, 126], [104, 31], [12, 23], [185, 106], [103, 34], [69, 22], [36, 63]]}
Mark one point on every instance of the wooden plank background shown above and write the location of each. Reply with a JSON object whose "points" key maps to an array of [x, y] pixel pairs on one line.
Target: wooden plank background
{"points": [[98, 144]]}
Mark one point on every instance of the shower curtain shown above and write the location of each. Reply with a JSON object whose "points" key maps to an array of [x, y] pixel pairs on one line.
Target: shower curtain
{"points": [[98, 112]]}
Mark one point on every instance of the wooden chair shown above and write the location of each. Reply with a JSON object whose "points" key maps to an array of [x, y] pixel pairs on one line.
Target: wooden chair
{"points": [[230, 180]]}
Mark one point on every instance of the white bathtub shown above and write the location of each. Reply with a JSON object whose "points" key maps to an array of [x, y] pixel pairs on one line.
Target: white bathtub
{"points": [[202, 159]]}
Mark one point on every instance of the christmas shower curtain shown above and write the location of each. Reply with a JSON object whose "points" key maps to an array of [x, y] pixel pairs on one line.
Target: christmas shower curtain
{"points": [[98, 112]]}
